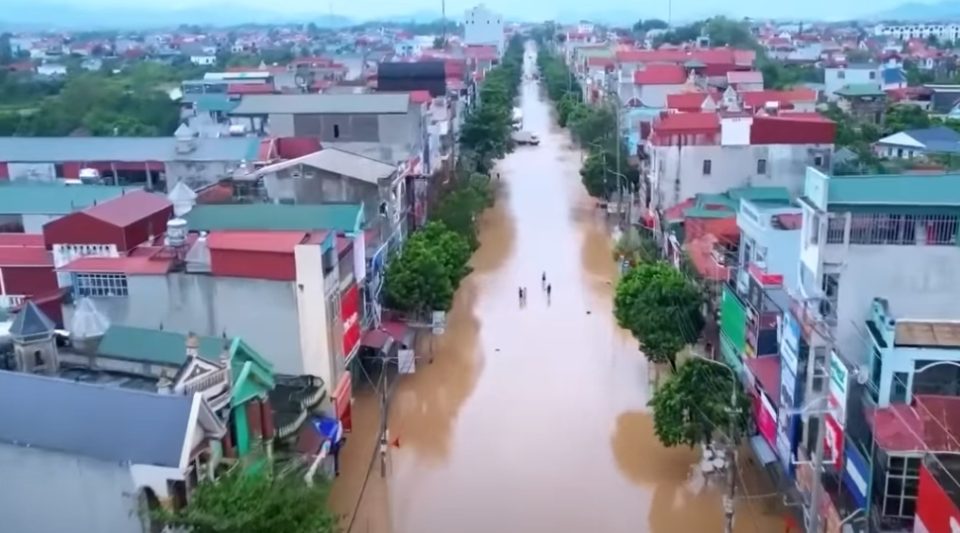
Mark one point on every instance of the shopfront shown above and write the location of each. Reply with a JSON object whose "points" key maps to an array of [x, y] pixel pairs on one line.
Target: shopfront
{"points": [[793, 357], [350, 315]]}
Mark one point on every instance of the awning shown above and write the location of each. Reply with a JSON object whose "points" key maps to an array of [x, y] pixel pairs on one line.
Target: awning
{"points": [[377, 338], [766, 371], [762, 450]]}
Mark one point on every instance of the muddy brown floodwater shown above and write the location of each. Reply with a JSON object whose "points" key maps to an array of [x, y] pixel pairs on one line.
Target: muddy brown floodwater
{"points": [[533, 419]]}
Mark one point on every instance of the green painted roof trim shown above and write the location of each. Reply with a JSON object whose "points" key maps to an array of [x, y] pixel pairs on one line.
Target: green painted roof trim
{"points": [[861, 89], [915, 190], [252, 374], [345, 218]]}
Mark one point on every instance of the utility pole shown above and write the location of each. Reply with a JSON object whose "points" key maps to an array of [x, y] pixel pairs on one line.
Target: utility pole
{"points": [[729, 500], [443, 11], [813, 525]]}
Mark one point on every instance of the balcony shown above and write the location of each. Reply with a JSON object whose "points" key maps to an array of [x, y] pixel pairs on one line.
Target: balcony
{"points": [[8, 301], [214, 386]]}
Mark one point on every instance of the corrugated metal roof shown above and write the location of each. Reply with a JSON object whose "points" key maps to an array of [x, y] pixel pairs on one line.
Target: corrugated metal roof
{"points": [[21, 239], [660, 75], [372, 103], [55, 198], [129, 208], [215, 102], [155, 346], [256, 241], [31, 322], [25, 256], [119, 265], [340, 162], [107, 423], [124, 149], [346, 218]]}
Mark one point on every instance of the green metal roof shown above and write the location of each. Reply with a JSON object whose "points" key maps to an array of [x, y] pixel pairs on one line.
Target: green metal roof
{"points": [[155, 346], [861, 89], [596, 52], [346, 218], [53, 198], [895, 189], [215, 102]]}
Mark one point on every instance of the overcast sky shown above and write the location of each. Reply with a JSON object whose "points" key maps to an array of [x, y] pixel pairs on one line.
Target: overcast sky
{"points": [[535, 9]]}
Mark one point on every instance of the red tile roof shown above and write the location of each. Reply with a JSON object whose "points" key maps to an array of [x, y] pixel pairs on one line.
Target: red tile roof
{"points": [[482, 52], [926, 425], [256, 241], [701, 255], [687, 122], [660, 75], [766, 370], [792, 130], [21, 239], [420, 96], [119, 265], [686, 101], [757, 99], [129, 208], [294, 147], [250, 88], [25, 256]]}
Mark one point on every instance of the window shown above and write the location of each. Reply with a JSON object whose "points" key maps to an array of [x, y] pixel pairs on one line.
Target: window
{"points": [[876, 371], [835, 228], [707, 167], [819, 368], [761, 166], [898, 391], [336, 131], [101, 285], [841, 75], [873, 75], [814, 236], [900, 487]]}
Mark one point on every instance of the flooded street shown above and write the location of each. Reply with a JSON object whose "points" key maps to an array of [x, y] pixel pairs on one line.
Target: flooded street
{"points": [[533, 419]]}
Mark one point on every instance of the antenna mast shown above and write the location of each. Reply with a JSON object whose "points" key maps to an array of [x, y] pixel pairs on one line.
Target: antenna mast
{"points": [[443, 12]]}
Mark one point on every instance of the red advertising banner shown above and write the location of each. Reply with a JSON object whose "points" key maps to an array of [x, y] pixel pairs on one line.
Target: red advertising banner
{"points": [[936, 512], [350, 315], [767, 420], [833, 442]]}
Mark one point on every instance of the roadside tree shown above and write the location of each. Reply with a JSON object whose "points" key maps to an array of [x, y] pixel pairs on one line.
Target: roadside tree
{"points": [[661, 308], [694, 404]]}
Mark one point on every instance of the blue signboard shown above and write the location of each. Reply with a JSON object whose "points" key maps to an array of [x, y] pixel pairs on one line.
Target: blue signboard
{"points": [[856, 475]]}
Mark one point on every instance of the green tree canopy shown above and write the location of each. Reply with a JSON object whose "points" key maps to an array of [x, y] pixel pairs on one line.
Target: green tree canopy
{"points": [[650, 24], [694, 404], [255, 502], [661, 308], [417, 280]]}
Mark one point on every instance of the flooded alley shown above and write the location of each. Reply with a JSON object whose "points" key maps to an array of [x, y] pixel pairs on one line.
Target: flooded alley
{"points": [[533, 419]]}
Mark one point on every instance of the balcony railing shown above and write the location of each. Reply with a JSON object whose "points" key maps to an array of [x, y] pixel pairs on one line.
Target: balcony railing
{"points": [[8, 301], [210, 385]]}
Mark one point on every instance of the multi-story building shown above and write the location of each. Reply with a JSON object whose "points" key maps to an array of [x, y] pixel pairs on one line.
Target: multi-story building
{"points": [[905, 32], [483, 26], [385, 126], [891, 236], [835, 78], [691, 153]]}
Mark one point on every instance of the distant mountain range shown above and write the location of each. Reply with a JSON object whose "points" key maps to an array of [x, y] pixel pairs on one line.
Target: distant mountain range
{"points": [[947, 11]]}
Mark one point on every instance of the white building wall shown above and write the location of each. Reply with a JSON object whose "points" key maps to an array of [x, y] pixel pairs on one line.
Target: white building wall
{"points": [[730, 166], [312, 313], [905, 32], [779, 248], [835, 78], [921, 282], [263, 312], [482, 26]]}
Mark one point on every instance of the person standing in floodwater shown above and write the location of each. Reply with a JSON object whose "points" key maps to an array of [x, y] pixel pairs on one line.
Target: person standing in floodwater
{"points": [[549, 290], [543, 280], [520, 295]]}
